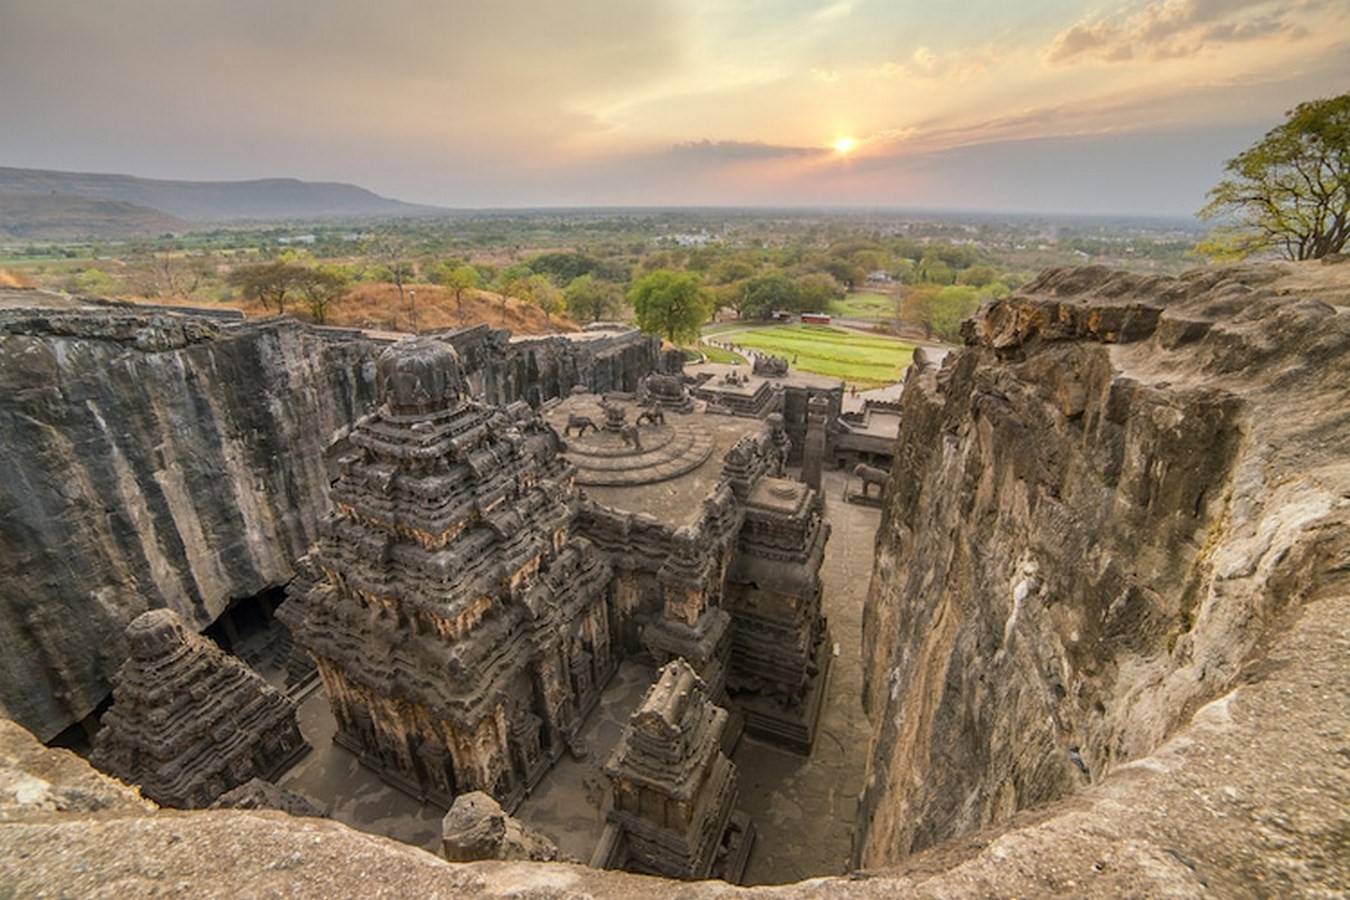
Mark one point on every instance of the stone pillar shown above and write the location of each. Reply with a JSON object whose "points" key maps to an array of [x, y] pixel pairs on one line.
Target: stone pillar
{"points": [[813, 451]]}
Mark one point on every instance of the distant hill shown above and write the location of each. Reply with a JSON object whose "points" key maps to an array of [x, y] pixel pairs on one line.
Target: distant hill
{"points": [[54, 217], [213, 201]]}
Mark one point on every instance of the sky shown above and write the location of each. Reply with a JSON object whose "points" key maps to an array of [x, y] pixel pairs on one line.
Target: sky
{"points": [[1126, 107]]}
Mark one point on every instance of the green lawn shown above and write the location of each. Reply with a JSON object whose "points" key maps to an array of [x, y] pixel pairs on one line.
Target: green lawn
{"points": [[862, 359], [875, 307], [718, 355]]}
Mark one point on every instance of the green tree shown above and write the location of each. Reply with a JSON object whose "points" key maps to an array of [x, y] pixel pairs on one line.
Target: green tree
{"points": [[540, 291], [671, 304], [512, 282], [952, 306], [763, 294], [590, 299], [320, 287], [817, 290], [1290, 191], [271, 284], [933, 269], [978, 276], [459, 281]]}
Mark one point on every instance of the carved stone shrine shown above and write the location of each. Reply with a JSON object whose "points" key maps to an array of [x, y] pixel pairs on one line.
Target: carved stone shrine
{"points": [[674, 790], [190, 722], [460, 628]]}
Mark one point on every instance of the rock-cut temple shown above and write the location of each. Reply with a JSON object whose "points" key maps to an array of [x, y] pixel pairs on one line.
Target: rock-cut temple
{"points": [[483, 570]]}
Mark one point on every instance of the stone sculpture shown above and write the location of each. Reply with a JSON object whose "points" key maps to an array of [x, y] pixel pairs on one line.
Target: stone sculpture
{"points": [[871, 477], [580, 423], [188, 721]]}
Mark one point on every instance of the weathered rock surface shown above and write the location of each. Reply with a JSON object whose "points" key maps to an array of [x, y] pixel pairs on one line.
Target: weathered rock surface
{"points": [[477, 828], [151, 461], [1102, 512], [1249, 799]]}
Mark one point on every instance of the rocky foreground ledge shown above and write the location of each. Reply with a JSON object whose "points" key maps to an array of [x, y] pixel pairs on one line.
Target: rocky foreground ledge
{"points": [[1247, 800], [1108, 637]]}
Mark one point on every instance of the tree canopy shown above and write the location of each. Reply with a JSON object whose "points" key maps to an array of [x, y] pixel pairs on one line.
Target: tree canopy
{"points": [[1290, 191], [671, 304], [590, 299]]}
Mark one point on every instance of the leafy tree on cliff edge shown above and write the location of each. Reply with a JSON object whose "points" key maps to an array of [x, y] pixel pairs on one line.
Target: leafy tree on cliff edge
{"points": [[1290, 191], [671, 304]]}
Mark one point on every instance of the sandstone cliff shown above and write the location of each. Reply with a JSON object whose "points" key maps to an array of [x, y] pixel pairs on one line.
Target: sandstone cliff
{"points": [[150, 460], [1102, 512]]}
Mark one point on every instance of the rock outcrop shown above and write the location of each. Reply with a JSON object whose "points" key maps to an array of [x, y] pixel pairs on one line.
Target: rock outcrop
{"points": [[1102, 511], [477, 828], [151, 460]]}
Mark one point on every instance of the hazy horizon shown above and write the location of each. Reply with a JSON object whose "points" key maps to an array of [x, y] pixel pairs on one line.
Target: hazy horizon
{"points": [[1066, 109]]}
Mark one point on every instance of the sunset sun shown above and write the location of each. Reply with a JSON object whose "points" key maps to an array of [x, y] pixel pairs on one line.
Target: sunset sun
{"points": [[844, 145]]}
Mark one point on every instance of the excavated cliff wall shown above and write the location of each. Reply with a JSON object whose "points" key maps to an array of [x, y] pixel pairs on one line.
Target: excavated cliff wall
{"points": [[155, 459], [150, 461], [1101, 510]]}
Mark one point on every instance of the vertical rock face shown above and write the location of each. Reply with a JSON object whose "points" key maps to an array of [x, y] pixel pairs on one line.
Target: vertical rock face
{"points": [[189, 722], [150, 461], [1099, 509]]}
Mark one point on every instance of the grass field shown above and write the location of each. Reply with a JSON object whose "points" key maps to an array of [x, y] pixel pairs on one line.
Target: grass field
{"points": [[874, 307], [718, 355], [859, 359]]}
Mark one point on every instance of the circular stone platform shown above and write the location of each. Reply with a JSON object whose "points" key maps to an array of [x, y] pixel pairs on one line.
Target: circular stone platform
{"points": [[668, 451]]}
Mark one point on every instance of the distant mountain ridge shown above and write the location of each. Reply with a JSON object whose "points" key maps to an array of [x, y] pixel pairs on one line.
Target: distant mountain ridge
{"points": [[212, 201], [54, 217]]}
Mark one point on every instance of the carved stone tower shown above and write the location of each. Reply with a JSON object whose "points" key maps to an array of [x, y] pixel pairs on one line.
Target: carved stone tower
{"points": [[188, 721], [460, 629], [675, 790]]}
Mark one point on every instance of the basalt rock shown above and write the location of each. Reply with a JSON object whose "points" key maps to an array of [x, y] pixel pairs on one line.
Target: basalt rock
{"points": [[163, 459], [188, 722], [151, 460], [477, 828], [1101, 511]]}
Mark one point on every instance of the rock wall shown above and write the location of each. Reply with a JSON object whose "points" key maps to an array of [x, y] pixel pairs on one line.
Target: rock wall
{"points": [[502, 370], [151, 460], [1101, 511]]}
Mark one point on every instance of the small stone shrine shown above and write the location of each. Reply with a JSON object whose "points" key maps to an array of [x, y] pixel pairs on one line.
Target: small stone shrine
{"points": [[674, 790], [461, 630], [190, 722]]}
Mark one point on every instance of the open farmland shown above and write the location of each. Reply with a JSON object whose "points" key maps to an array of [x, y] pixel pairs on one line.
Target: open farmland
{"points": [[859, 359]]}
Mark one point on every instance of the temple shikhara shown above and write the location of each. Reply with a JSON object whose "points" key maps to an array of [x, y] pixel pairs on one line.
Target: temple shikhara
{"points": [[459, 624], [189, 722], [484, 568]]}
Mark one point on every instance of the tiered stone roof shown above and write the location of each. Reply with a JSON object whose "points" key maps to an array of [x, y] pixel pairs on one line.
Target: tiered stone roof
{"points": [[188, 721], [453, 603]]}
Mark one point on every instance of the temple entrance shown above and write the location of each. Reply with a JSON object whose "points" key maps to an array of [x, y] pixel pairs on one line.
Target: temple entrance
{"points": [[248, 629]]}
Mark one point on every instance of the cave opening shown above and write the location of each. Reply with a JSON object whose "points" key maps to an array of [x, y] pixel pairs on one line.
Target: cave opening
{"points": [[248, 628]]}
